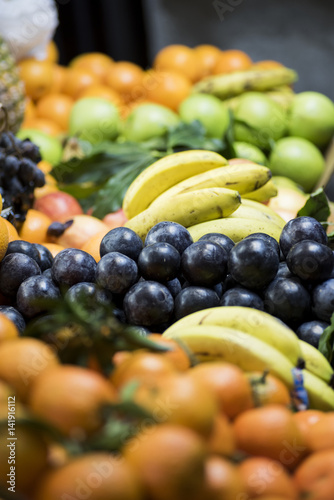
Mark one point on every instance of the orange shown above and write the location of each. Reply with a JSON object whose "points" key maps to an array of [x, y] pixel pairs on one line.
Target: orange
{"points": [[270, 431], [78, 79], [8, 329], [37, 77], [4, 237], [52, 53], [47, 126], [168, 88], [170, 460], [12, 232], [95, 475], [95, 62], [55, 107], [54, 248], [5, 392], [228, 383], [126, 78], [143, 367], [58, 78], [314, 478], [30, 109], [268, 64], [176, 354], [45, 166], [180, 400], [268, 389], [264, 477], [321, 434], [208, 55], [305, 420], [34, 228], [181, 59], [223, 480], [70, 398], [221, 440], [22, 361], [102, 91], [232, 60], [92, 245]]}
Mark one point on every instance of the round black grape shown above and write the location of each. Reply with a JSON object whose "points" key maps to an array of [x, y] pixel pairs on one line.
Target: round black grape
{"points": [[30, 150], [283, 271], [116, 272], [47, 273], [15, 316], [253, 263], [310, 261], [71, 266], [159, 262], [33, 293], [204, 263], [90, 294], [194, 298], [39, 179], [122, 240], [174, 286], [14, 269], [27, 170], [265, 237], [148, 303], [11, 165], [323, 300], [288, 300], [21, 246], [221, 239], [240, 296], [45, 256], [311, 331], [301, 228], [169, 232]]}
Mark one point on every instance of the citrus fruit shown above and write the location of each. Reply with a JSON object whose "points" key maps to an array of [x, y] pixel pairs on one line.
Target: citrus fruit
{"points": [[52, 52], [55, 107], [179, 58], [4, 238], [232, 60], [102, 91], [12, 232], [221, 440], [34, 228], [96, 63], [249, 152], [208, 55], [78, 79], [45, 125], [314, 478], [147, 121], [223, 479], [268, 389], [8, 329], [37, 77], [126, 78], [207, 109], [59, 74], [167, 88]]}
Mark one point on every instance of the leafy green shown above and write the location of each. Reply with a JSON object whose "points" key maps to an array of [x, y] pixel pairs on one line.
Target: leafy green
{"points": [[326, 342], [316, 206]]}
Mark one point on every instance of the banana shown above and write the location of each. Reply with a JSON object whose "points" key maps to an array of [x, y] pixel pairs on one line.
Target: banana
{"points": [[232, 84], [254, 213], [265, 209], [165, 173], [255, 323], [240, 177], [268, 190], [321, 396], [315, 362], [236, 228], [187, 209], [212, 342]]}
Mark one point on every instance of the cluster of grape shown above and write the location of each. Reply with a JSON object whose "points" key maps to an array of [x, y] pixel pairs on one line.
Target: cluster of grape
{"points": [[19, 176]]}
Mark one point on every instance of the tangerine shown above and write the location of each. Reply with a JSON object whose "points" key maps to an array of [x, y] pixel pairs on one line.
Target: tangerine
{"points": [[78, 79], [126, 78], [268, 389], [55, 107], [92, 245], [267, 64], [181, 59], [34, 228], [37, 77], [168, 88], [232, 60], [52, 52], [95, 62], [208, 55], [47, 126], [102, 91], [314, 478], [221, 440], [223, 480], [59, 74], [305, 420], [8, 329], [321, 433], [4, 237], [176, 353]]}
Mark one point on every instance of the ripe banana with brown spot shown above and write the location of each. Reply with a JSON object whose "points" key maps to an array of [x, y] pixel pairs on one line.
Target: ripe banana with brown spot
{"points": [[236, 228], [251, 209], [229, 85], [258, 324], [240, 177], [264, 193], [187, 209], [316, 363], [165, 173]]}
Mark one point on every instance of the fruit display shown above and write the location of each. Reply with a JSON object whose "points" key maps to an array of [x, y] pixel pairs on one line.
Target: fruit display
{"points": [[166, 282]]}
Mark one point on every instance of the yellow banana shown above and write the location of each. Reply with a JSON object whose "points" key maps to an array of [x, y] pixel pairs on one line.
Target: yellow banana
{"points": [[253, 213], [187, 209], [165, 173], [268, 190], [240, 177], [232, 84], [315, 362], [264, 209], [255, 323], [212, 342], [236, 228], [321, 396]]}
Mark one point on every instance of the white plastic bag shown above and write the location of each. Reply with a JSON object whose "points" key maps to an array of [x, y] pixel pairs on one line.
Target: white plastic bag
{"points": [[27, 26]]}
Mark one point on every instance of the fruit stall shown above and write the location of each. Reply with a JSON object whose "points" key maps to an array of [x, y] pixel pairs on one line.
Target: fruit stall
{"points": [[166, 278]]}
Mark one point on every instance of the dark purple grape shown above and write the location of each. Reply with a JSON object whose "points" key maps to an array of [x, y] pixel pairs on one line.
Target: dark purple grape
{"points": [[169, 232], [15, 316], [323, 300], [90, 293], [14, 269], [301, 228], [221, 239], [283, 271], [311, 331], [310, 261], [204, 263], [174, 286], [21, 246], [148, 303], [45, 256], [11, 165], [39, 179], [240, 296], [71, 266], [116, 272], [27, 171], [266, 237], [159, 262], [33, 294], [122, 240], [194, 298]]}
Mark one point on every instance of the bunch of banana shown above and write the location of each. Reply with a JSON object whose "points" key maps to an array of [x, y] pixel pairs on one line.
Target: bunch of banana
{"points": [[229, 85], [255, 341]]}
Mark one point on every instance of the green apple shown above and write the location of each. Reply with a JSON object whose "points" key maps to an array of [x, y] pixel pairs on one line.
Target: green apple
{"points": [[312, 117], [284, 182], [207, 109], [265, 118], [49, 147], [298, 159], [94, 119], [147, 121], [249, 152]]}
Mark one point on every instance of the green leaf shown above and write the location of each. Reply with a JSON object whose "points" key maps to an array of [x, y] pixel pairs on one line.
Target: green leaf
{"points": [[326, 342], [316, 206], [191, 136]]}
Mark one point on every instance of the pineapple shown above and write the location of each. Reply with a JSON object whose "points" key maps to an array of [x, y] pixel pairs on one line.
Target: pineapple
{"points": [[12, 95]]}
